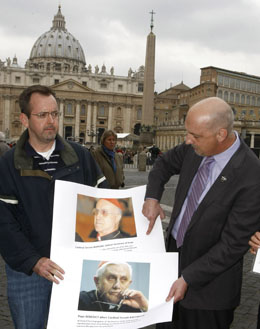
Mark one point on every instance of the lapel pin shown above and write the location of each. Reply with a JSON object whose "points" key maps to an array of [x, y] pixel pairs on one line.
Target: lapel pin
{"points": [[223, 178]]}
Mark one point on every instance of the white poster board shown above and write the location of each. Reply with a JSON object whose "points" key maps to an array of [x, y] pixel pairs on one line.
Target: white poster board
{"points": [[80, 254], [153, 274], [73, 207], [256, 267]]}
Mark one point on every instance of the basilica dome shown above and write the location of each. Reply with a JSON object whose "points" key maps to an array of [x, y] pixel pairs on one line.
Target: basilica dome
{"points": [[58, 44]]}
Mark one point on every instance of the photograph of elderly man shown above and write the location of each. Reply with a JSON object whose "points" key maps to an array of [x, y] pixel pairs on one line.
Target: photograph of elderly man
{"points": [[104, 219], [112, 292]]}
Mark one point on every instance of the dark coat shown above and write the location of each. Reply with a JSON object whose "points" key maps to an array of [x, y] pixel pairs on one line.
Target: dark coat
{"points": [[217, 237], [114, 235], [115, 179], [89, 301], [26, 200], [3, 148]]}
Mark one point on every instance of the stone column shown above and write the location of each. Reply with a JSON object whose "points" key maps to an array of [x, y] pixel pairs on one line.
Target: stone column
{"points": [[252, 141], [164, 142], [127, 120], [172, 141], [157, 141], [88, 126], [94, 122], [175, 140], [6, 114], [77, 119], [168, 143], [160, 143], [61, 118], [110, 117]]}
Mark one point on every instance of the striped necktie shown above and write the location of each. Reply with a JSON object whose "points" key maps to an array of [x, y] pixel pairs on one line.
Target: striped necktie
{"points": [[197, 189]]}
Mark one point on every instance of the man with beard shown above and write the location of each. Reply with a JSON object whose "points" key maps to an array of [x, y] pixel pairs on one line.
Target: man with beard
{"points": [[216, 210], [112, 292], [27, 176]]}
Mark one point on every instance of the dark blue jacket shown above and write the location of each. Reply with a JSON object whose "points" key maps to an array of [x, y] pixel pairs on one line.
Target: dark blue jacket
{"points": [[26, 200]]}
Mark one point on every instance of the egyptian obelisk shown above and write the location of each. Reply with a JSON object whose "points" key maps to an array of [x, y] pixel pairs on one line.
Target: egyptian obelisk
{"points": [[148, 93]]}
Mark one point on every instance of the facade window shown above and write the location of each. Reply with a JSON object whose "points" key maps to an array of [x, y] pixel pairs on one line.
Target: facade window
{"points": [[258, 88], [226, 96], [251, 112], [56, 81], [243, 85], [17, 107], [82, 121], [226, 81], [220, 80], [139, 113], [69, 110], [237, 84], [243, 99], [253, 86], [220, 93], [84, 83], [119, 112], [101, 111], [237, 98], [101, 122], [103, 85], [83, 110], [253, 101], [140, 87], [17, 79], [247, 100], [258, 101], [232, 83], [36, 80], [232, 97], [120, 87], [248, 86]]}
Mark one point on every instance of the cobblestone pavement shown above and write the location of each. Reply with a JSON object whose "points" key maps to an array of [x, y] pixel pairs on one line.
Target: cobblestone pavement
{"points": [[5, 317], [245, 315]]}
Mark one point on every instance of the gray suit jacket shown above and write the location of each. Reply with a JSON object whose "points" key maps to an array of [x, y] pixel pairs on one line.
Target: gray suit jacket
{"points": [[217, 237]]}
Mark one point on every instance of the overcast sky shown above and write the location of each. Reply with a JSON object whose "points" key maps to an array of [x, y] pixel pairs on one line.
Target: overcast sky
{"points": [[189, 34]]}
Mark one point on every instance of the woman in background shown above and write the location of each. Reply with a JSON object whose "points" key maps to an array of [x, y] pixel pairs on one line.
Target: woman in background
{"points": [[110, 162]]}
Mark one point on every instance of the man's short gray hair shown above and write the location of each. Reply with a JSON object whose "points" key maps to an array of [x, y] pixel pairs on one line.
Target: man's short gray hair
{"points": [[101, 269]]}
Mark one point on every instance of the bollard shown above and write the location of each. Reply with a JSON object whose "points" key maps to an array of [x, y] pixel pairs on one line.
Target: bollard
{"points": [[142, 161]]}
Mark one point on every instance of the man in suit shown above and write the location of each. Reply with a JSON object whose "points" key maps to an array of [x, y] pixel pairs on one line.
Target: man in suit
{"points": [[255, 245], [212, 237]]}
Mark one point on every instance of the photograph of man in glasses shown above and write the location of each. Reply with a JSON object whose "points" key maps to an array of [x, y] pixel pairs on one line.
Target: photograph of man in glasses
{"points": [[113, 292], [107, 214]]}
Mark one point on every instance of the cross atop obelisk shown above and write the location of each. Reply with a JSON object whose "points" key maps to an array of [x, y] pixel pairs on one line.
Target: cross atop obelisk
{"points": [[152, 13]]}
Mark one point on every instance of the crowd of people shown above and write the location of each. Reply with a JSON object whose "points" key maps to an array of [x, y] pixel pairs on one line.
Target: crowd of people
{"points": [[216, 212]]}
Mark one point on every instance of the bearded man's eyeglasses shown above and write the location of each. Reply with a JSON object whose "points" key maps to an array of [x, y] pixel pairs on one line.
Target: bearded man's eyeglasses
{"points": [[44, 115]]}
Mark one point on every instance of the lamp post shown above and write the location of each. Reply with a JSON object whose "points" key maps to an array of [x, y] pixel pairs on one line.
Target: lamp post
{"points": [[92, 132]]}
